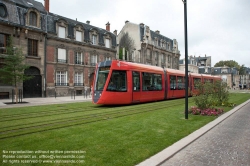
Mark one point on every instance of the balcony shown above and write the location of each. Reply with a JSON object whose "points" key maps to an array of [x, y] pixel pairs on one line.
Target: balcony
{"points": [[78, 84], [62, 61], [61, 84], [79, 63]]}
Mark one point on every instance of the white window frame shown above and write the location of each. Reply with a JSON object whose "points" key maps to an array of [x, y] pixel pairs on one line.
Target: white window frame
{"points": [[78, 78], [78, 58], [108, 58], [107, 43], [78, 36], [94, 39], [93, 60], [61, 32], [61, 78], [62, 54]]}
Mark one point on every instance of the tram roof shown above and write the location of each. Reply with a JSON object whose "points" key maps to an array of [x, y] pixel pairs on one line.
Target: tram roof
{"points": [[135, 66]]}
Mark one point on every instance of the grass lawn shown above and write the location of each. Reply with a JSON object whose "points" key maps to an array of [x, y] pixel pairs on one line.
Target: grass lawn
{"points": [[105, 136]]}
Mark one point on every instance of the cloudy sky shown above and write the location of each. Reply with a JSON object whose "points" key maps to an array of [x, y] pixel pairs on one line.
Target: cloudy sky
{"points": [[217, 28]]}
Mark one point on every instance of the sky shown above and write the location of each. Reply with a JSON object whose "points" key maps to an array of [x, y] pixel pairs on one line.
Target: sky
{"points": [[216, 28]]}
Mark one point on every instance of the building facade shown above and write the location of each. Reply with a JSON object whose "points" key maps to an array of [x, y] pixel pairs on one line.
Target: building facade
{"points": [[62, 53], [197, 64], [25, 22], [150, 47]]}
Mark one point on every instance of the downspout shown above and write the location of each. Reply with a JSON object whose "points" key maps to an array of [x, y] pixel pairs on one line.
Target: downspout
{"points": [[45, 57]]}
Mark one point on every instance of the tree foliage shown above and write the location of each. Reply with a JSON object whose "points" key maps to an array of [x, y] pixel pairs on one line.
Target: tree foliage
{"points": [[228, 63], [211, 94], [126, 42], [12, 72]]}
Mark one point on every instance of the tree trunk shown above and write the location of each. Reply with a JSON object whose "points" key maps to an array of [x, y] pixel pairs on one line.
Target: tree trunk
{"points": [[16, 92]]}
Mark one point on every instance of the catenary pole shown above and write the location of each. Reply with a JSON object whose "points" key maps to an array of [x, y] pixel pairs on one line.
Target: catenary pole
{"points": [[186, 59]]}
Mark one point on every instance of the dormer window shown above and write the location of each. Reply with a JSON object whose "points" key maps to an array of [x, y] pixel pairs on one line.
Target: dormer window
{"points": [[78, 36], [94, 39], [3, 11], [107, 43], [33, 19], [79, 33], [61, 32], [94, 36], [62, 28]]}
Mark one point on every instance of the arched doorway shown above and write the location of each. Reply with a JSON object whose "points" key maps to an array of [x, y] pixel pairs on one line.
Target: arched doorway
{"points": [[32, 87]]}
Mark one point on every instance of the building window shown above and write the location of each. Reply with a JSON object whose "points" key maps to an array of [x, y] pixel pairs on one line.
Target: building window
{"points": [[93, 60], [108, 58], [61, 78], [3, 11], [94, 39], [61, 58], [148, 54], [33, 19], [107, 43], [3, 42], [61, 32], [78, 79], [79, 58], [32, 47], [78, 36]]}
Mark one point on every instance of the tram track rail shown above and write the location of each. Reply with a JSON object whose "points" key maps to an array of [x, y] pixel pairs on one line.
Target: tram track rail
{"points": [[116, 112]]}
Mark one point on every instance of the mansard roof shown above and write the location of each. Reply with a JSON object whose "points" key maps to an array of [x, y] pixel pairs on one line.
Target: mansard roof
{"points": [[155, 35], [53, 18], [29, 4]]}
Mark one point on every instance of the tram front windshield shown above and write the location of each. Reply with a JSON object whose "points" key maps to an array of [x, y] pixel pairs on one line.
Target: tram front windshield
{"points": [[102, 76]]}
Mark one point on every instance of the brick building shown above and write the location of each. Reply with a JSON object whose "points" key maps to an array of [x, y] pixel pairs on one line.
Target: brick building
{"points": [[61, 52]]}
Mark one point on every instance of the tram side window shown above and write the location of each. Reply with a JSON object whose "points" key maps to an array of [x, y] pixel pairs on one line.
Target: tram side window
{"points": [[118, 81], [151, 82], [158, 81], [102, 77], [196, 80], [136, 81], [172, 82], [180, 82]]}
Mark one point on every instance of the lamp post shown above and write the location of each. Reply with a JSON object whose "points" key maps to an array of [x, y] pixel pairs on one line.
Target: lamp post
{"points": [[186, 58]]}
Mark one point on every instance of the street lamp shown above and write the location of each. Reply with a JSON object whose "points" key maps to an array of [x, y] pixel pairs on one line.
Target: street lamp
{"points": [[186, 58]]}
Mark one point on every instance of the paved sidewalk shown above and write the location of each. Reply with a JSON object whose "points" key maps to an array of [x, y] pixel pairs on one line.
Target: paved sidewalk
{"points": [[223, 142], [43, 101]]}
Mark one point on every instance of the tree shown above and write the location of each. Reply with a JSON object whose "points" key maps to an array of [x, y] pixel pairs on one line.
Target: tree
{"points": [[242, 70], [228, 63], [126, 42], [12, 71]]}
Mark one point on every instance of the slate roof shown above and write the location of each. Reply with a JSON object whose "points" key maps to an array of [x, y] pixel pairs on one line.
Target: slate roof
{"points": [[17, 10], [154, 34], [52, 19]]}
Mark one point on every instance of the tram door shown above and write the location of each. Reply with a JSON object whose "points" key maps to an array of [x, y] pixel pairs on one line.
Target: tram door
{"points": [[136, 91]]}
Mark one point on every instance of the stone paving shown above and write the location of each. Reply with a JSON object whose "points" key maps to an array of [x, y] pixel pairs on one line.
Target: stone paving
{"points": [[227, 144]]}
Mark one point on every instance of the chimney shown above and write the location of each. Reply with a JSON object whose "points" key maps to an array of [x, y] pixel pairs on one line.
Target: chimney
{"points": [[141, 24], [158, 32], [115, 32], [46, 5], [108, 26], [88, 22]]}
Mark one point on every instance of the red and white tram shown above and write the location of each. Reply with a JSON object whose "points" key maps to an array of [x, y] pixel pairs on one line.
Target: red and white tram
{"points": [[119, 82]]}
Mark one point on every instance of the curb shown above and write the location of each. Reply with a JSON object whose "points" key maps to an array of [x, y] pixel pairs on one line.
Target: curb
{"points": [[170, 151]]}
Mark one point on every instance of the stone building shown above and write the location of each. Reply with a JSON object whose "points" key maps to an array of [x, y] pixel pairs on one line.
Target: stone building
{"points": [[197, 64], [150, 47], [25, 22], [62, 53]]}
